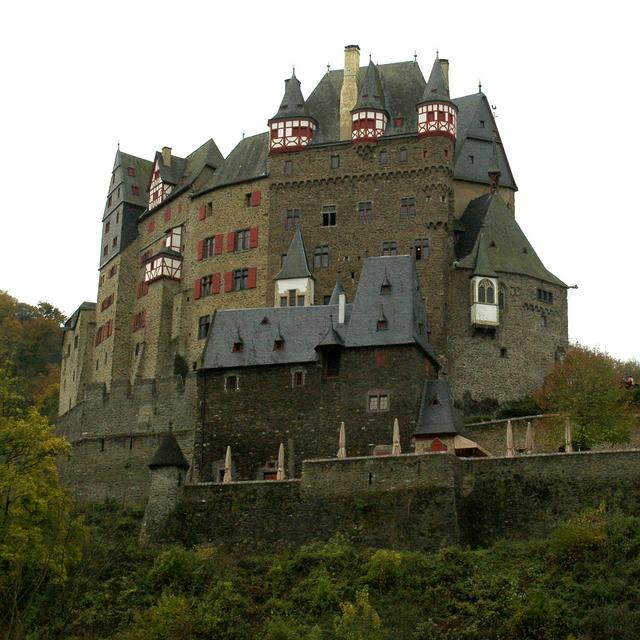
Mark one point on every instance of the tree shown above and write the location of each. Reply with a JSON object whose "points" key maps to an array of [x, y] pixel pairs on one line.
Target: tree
{"points": [[587, 385], [39, 537]]}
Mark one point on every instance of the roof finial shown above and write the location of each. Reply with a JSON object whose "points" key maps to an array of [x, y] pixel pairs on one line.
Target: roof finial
{"points": [[328, 67], [415, 56], [243, 135], [294, 70], [437, 53], [479, 86], [369, 56], [118, 145]]}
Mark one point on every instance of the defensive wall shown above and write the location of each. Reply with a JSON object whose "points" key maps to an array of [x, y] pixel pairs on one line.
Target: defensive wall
{"points": [[114, 435], [413, 502]]}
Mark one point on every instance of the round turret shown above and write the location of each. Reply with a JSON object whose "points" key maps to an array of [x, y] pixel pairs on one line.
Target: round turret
{"points": [[437, 114], [369, 116], [291, 129]]}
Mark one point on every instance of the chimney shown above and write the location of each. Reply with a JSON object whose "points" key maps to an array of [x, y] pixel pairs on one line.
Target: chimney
{"points": [[342, 300], [166, 156], [349, 91], [444, 65]]}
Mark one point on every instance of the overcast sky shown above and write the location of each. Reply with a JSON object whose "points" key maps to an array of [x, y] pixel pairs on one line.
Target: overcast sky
{"points": [[77, 77]]}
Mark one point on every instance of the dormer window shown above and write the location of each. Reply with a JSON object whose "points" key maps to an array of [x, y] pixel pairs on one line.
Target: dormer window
{"points": [[385, 289], [238, 347], [381, 325], [278, 345], [486, 292]]}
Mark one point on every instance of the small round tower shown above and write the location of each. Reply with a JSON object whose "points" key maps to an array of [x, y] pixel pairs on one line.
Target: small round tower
{"points": [[369, 116], [437, 114], [292, 128]]}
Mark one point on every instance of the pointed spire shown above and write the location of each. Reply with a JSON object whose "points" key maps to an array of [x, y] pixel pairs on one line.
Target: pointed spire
{"points": [[295, 264], [168, 454], [370, 95], [437, 87], [293, 104], [335, 294]]}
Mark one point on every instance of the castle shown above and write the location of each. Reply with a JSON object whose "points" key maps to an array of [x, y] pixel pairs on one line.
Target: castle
{"points": [[337, 267]]}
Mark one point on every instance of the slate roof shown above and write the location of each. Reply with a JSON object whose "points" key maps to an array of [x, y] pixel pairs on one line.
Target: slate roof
{"points": [[370, 92], [306, 328], [292, 104], [335, 294], [480, 259], [438, 416], [190, 167], [437, 87], [295, 263], [168, 454], [142, 169], [247, 161], [507, 248], [72, 320]]}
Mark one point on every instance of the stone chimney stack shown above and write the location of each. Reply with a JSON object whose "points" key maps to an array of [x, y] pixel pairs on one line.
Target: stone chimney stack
{"points": [[349, 91], [166, 156], [445, 70], [342, 302]]}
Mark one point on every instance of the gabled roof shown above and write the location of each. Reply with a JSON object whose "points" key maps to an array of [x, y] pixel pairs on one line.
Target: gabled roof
{"points": [[437, 87], [295, 263], [507, 248], [168, 454], [475, 142], [307, 328], [370, 93], [292, 104], [438, 416], [72, 320], [247, 161], [142, 172]]}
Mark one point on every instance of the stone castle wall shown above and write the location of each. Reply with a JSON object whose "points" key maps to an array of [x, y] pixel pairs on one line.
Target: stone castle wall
{"points": [[413, 502]]}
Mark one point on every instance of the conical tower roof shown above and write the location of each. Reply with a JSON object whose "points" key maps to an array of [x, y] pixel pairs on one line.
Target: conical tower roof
{"points": [[335, 294], [438, 415], [295, 264], [370, 94], [168, 454], [293, 104], [437, 87]]}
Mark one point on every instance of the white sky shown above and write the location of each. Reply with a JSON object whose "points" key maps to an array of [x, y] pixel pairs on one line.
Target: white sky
{"points": [[79, 76]]}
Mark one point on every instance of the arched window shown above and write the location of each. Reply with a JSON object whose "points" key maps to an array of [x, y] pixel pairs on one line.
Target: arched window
{"points": [[486, 292]]}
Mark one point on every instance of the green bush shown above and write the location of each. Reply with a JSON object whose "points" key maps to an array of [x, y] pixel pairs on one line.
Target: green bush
{"points": [[383, 568], [177, 570], [581, 538]]}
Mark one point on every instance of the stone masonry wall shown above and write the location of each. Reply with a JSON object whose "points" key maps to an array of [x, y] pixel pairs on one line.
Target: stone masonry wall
{"points": [[363, 175], [530, 333], [267, 410], [414, 502]]}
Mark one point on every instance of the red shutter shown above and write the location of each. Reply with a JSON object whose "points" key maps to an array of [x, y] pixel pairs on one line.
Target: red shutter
{"points": [[167, 215], [200, 243], [151, 227], [228, 281], [218, 244], [253, 276], [196, 295], [255, 198], [215, 283], [231, 237], [110, 327], [202, 212], [253, 237]]}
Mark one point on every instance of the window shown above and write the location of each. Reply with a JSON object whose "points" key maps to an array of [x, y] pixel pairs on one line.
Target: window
{"points": [[131, 172], [240, 279], [292, 297], [139, 320], [238, 347], [502, 297], [472, 159], [288, 167], [206, 286], [301, 301], [297, 378], [503, 352], [545, 296], [403, 155], [283, 301], [421, 249], [329, 215], [381, 324], [113, 271], [135, 190], [389, 249], [203, 326], [335, 162], [398, 121], [231, 383], [241, 240], [378, 401], [107, 227], [109, 201], [292, 220], [326, 299], [408, 207], [365, 211], [209, 209], [208, 247], [384, 157], [278, 345], [321, 256], [482, 124], [105, 250], [331, 363], [114, 243], [486, 292], [75, 342], [247, 199]]}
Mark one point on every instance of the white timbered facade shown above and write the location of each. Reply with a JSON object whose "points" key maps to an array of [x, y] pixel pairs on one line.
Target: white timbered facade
{"points": [[158, 190], [437, 118], [368, 125], [290, 135]]}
